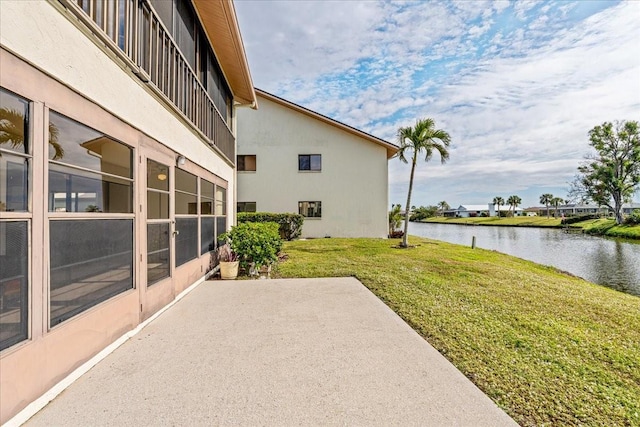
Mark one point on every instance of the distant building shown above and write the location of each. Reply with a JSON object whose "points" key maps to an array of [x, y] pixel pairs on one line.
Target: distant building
{"points": [[292, 159], [466, 211]]}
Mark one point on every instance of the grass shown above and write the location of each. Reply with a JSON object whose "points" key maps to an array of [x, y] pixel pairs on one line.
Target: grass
{"points": [[523, 221], [603, 227], [548, 348]]}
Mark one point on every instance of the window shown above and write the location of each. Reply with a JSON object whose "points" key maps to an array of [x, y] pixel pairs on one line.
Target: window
{"points": [[91, 260], [13, 282], [88, 171], [15, 226], [246, 206], [310, 209], [246, 163], [186, 210], [158, 226], [207, 220], [309, 162], [221, 211]]}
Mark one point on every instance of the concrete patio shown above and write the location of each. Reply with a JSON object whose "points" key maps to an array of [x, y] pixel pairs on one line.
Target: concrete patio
{"points": [[276, 352]]}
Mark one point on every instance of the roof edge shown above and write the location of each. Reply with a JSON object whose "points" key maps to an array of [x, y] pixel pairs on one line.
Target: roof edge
{"points": [[392, 149], [226, 40]]}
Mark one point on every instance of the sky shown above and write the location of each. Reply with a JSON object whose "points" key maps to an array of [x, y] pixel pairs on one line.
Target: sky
{"points": [[517, 85]]}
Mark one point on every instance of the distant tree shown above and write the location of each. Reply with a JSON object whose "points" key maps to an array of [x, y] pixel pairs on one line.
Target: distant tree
{"points": [[423, 213], [611, 176], [498, 201], [395, 218], [556, 201], [413, 141], [443, 206], [545, 199], [513, 202]]}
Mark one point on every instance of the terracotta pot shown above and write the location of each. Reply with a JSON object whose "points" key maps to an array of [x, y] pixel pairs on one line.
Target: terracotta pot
{"points": [[229, 270]]}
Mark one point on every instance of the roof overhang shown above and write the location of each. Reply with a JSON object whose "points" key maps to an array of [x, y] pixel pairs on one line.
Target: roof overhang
{"points": [[391, 148], [219, 21]]}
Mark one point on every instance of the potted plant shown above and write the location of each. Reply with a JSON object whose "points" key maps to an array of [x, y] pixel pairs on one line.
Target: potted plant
{"points": [[257, 245], [228, 262]]}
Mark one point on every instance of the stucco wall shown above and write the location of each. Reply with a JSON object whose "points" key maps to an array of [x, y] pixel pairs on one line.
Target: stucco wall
{"points": [[40, 34], [352, 185]]}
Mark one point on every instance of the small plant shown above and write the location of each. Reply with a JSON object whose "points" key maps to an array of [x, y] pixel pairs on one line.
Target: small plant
{"points": [[226, 254]]}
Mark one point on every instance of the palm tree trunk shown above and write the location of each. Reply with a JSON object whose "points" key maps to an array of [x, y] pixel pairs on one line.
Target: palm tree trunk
{"points": [[405, 242]]}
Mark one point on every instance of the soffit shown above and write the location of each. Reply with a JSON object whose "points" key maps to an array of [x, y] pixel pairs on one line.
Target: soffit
{"points": [[391, 148], [221, 25]]}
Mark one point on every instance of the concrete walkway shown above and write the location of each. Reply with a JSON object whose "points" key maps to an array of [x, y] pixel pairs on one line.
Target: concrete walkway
{"points": [[278, 352]]}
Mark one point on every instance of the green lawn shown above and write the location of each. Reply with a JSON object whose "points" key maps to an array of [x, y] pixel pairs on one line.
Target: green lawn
{"points": [[548, 348], [605, 227], [531, 221]]}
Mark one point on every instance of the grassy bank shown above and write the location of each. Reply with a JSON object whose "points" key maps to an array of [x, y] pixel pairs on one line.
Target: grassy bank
{"points": [[602, 227], [548, 348]]}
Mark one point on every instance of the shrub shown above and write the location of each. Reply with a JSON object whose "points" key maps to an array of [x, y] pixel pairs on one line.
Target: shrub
{"points": [[290, 225], [255, 242], [578, 218], [396, 234], [634, 218]]}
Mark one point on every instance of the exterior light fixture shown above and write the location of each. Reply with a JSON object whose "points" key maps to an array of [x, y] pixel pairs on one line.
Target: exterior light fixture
{"points": [[181, 160]]}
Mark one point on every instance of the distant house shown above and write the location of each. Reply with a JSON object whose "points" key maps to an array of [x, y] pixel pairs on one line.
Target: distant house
{"points": [[466, 211], [586, 209], [292, 159]]}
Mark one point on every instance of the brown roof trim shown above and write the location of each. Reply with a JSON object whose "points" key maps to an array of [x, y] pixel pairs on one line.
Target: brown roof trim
{"points": [[392, 149], [221, 25]]}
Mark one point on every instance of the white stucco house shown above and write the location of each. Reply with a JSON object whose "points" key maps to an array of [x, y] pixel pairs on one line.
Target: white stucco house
{"points": [[292, 159], [467, 211]]}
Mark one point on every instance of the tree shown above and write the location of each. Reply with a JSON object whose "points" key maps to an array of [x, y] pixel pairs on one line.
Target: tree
{"points": [[498, 201], [513, 202], [395, 218], [545, 199], [12, 131], [611, 176], [443, 206], [423, 213], [413, 141], [555, 201]]}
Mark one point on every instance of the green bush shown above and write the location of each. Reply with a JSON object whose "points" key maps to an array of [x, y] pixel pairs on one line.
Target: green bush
{"points": [[255, 242], [634, 218], [290, 225], [578, 218]]}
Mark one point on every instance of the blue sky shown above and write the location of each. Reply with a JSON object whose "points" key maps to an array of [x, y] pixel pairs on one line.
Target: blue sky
{"points": [[517, 84]]}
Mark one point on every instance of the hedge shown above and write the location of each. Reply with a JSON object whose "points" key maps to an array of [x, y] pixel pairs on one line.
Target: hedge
{"points": [[290, 225], [578, 218]]}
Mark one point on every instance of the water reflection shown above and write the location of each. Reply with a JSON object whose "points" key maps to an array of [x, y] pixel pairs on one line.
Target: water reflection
{"points": [[607, 262]]}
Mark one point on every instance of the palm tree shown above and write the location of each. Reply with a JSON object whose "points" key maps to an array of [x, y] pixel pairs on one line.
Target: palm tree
{"points": [[12, 131], [555, 201], [545, 199], [443, 206], [413, 141], [498, 201], [513, 202], [395, 218]]}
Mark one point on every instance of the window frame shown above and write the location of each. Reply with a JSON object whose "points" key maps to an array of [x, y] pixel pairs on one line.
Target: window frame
{"points": [[317, 208], [241, 162], [310, 162]]}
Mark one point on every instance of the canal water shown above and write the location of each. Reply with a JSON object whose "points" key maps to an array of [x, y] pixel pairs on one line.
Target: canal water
{"points": [[608, 262]]}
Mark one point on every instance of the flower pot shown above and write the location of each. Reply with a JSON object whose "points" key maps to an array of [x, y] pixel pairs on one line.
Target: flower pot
{"points": [[229, 270]]}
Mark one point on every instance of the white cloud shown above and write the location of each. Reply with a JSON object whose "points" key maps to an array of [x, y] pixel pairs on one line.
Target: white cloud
{"points": [[518, 101]]}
